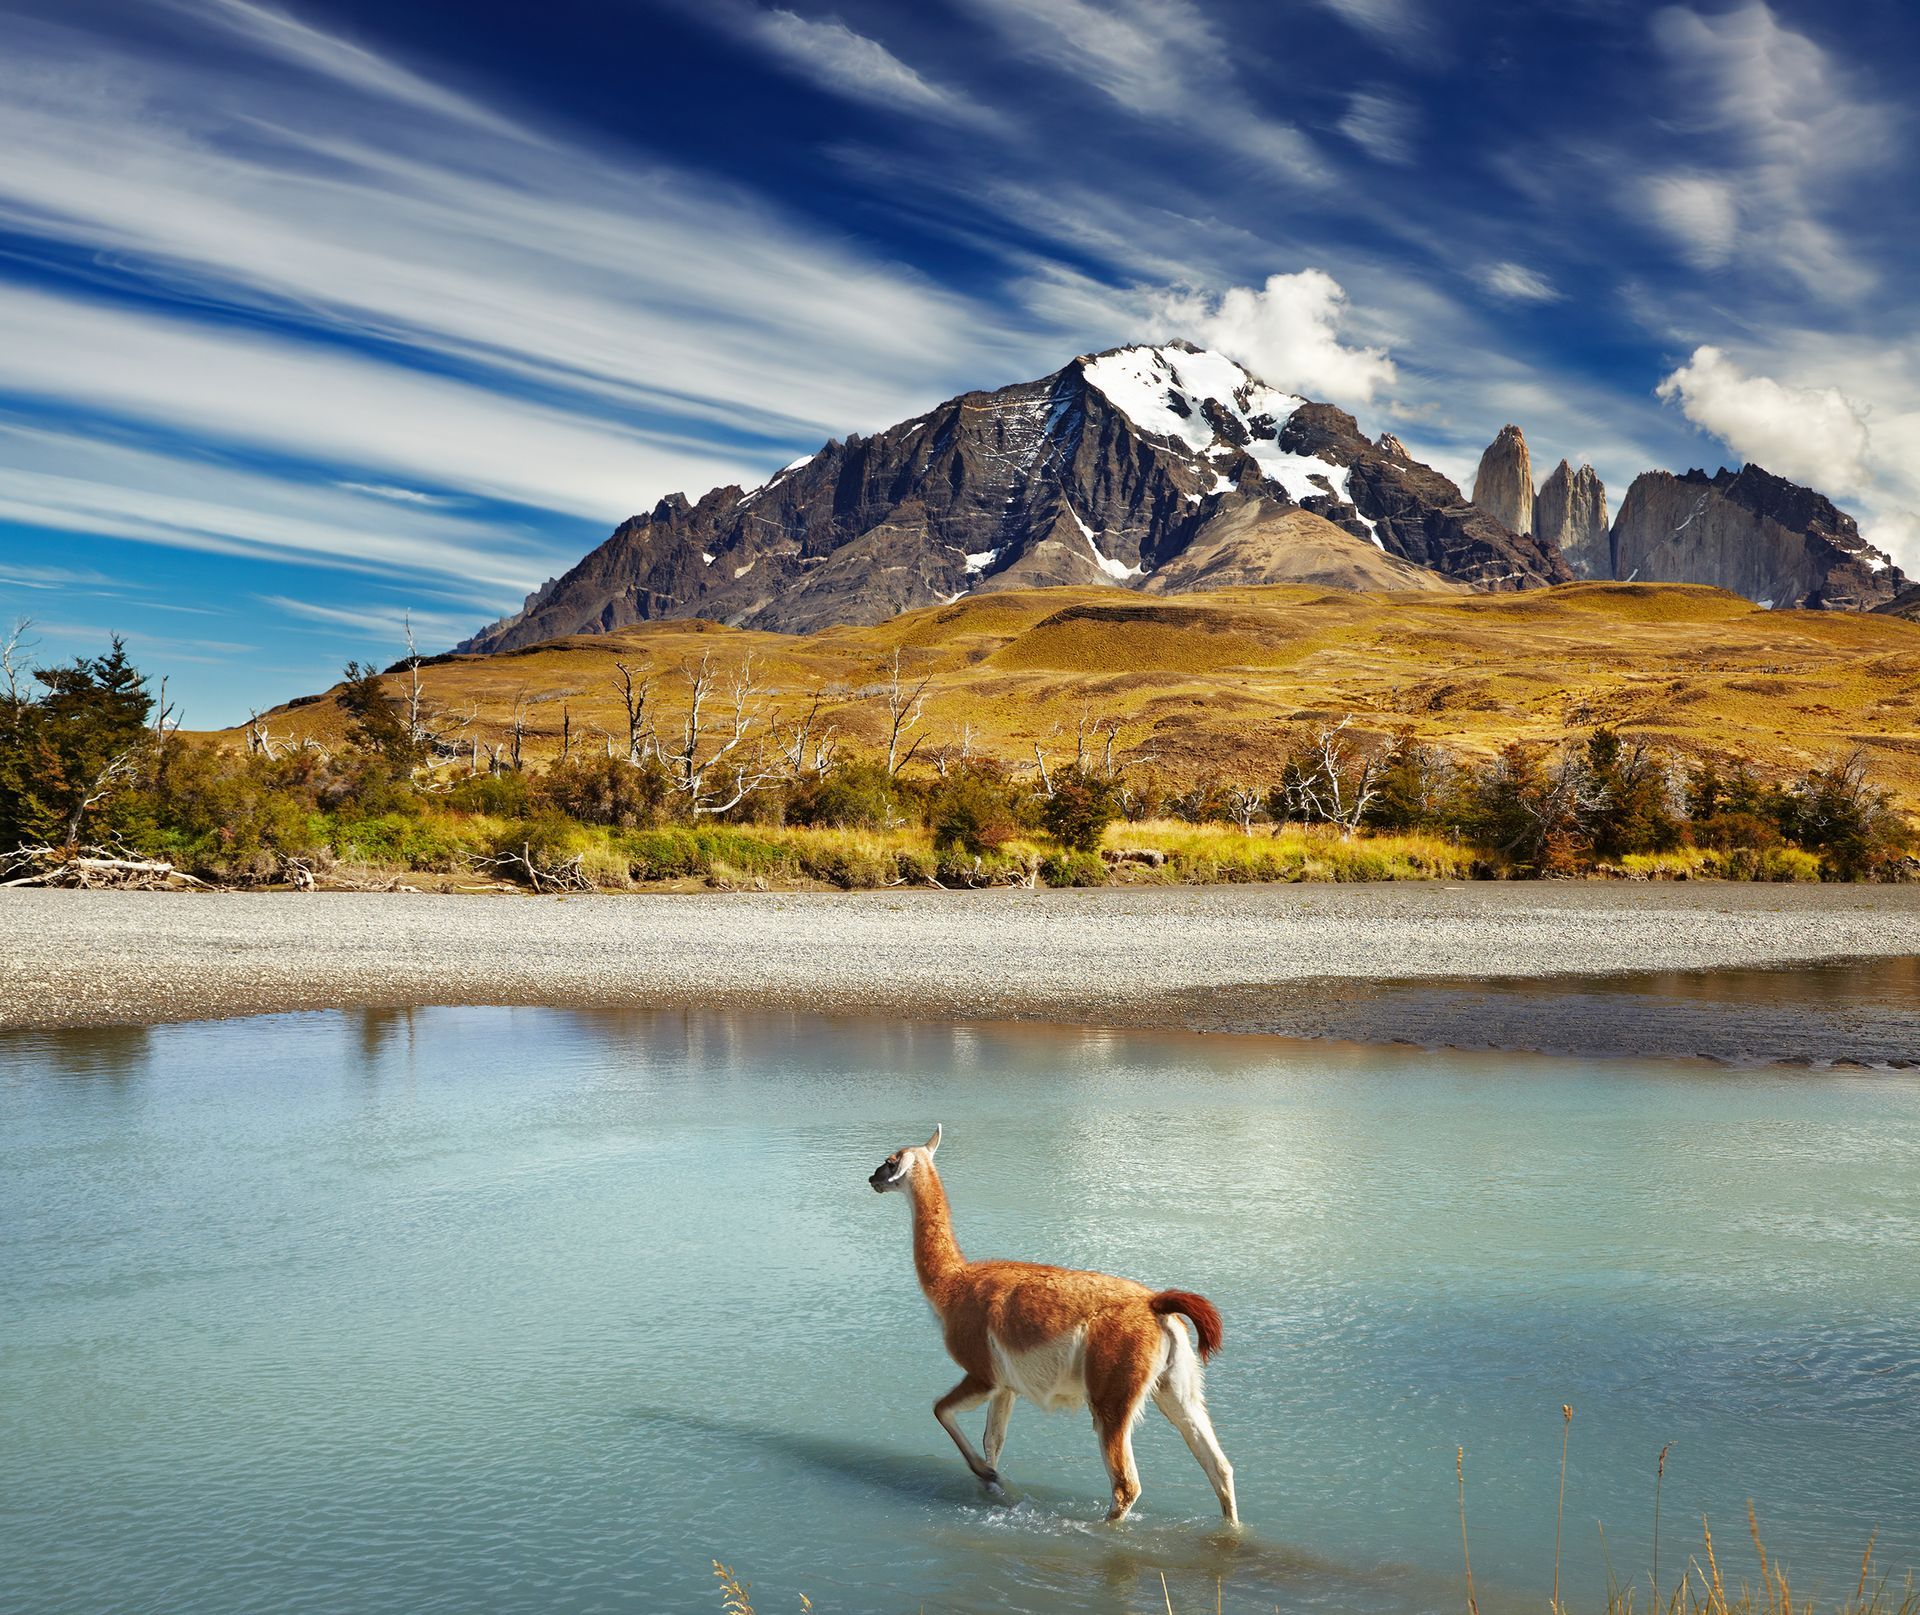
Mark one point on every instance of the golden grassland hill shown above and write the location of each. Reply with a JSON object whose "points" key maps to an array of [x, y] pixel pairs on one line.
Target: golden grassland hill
{"points": [[1223, 684]]}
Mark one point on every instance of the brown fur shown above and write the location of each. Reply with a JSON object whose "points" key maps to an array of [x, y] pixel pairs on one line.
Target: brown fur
{"points": [[1202, 1312], [1023, 1305]]}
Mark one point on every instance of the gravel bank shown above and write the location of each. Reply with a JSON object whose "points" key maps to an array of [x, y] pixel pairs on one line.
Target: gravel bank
{"points": [[1412, 962]]}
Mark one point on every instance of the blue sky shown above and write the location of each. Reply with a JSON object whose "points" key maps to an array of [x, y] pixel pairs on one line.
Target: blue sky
{"points": [[315, 314]]}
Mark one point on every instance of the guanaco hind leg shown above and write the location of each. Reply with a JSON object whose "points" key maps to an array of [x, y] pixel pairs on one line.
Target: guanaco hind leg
{"points": [[969, 1393], [1181, 1396], [999, 1411], [1188, 1415]]}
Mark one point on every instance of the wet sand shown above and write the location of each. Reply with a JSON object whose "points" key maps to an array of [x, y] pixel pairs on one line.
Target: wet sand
{"points": [[1692, 969]]}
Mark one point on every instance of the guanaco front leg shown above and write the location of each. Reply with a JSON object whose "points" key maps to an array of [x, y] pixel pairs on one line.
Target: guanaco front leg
{"points": [[969, 1393]]}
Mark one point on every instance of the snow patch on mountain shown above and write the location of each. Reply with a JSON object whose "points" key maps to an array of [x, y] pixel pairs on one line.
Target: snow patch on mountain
{"points": [[1165, 392]]}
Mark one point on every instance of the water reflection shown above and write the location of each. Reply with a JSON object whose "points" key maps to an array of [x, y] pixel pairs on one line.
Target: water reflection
{"points": [[114, 1054]]}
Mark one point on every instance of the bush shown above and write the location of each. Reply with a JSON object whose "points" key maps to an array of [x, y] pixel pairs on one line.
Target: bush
{"points": [[854, 796], [499, 796], [1079, 811], [605, 790], [1073, 869], [972, 809]]}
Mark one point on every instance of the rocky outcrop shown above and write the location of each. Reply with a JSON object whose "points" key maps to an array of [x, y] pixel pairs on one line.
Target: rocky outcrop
{"points": [[1412, 511], [1503, 486], [1904, 604], [1104, 472], [1749, 531], [1570, 510]]}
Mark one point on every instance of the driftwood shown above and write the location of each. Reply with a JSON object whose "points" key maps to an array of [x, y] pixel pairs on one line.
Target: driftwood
{"points": [[569, 875], [91, 868]]}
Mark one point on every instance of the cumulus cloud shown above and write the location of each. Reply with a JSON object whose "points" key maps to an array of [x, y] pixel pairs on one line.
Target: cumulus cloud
{"points": [[1288, 333], [835, 57], [1817, 436], [1381, 124], [1516, 283]]}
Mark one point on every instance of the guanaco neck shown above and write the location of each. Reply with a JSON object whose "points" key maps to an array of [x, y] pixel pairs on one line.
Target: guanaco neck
{"points": [[936, 1257]]}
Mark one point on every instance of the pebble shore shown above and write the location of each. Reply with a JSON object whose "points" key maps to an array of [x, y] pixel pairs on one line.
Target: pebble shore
{"points": [[1231, 959]]}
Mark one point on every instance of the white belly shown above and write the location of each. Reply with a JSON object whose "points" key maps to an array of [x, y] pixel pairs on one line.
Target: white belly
{"points": [[1050, 1376]]}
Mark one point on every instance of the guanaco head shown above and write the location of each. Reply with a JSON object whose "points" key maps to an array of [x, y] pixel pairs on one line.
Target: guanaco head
{"points": [[893, 1172]]}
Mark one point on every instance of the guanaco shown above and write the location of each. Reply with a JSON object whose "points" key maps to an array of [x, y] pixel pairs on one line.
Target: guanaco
{"points": [[1060, 1338]]}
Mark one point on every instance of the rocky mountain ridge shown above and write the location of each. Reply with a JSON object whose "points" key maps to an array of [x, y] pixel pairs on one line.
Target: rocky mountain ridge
{"points": [[1759, 535], [1141, 468]]}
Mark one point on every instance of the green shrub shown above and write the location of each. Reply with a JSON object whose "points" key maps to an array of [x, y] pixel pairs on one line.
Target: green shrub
{"points": [[1073, 869], [1079, 811]]}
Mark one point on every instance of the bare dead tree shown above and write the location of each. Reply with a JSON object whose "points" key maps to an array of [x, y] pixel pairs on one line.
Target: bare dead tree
{"points": [[259, 737], [811, 747], [14, 651], [566, 731], [1245, 802], [417, 734], [712, 764], [1040, 762], [1338, 782], [953, 754], [110, 778], [634, 697], [517, 734], [906, 706]]}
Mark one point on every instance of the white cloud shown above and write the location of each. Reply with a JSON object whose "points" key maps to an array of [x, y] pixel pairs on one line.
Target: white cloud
{"points": [[324, 404], [468, 241], [69, 483], [1860, 446], [1517, 283], [1160, 59], [1816, 436], [378, 620], [1288, 333], [1699, 211], [838, 59], [1381, 124], [1772, 124], [1397, 24]]}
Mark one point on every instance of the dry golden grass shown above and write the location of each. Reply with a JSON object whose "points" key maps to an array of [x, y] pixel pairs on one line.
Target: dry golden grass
{"points": [[1226, 682]]}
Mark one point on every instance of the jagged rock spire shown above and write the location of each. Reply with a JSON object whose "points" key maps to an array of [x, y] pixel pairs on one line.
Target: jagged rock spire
{"points": [[1503, 486]]}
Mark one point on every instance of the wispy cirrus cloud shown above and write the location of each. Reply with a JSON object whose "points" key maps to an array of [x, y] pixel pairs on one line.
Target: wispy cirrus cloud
{"points": [[1160, 59], [835, 57], [1516, 283], [1773, 124], [1381, 123], [72, 483]]}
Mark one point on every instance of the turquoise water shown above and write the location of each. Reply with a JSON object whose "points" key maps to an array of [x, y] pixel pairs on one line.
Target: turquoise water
{"points": [[477, 1310]]}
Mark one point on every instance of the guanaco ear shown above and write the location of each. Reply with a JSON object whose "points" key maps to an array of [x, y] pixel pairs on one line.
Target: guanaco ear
{"points": [[934, 1142]]}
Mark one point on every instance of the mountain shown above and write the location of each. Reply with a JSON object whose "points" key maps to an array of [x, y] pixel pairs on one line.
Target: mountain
{"points": [[1754, 533], [1904, 604], [1571, 510], [1114, 470], [1503, 486]]}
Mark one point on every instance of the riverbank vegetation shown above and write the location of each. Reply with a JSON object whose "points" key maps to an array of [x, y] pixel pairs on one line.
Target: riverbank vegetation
{"points": [[712, 779]]}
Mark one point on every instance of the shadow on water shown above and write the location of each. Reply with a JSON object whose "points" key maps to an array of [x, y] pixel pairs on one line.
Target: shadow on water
{"points": [[1046, 1537]]}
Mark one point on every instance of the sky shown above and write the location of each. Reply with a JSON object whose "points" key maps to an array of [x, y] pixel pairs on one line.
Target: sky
{"points": [[321, 317]]}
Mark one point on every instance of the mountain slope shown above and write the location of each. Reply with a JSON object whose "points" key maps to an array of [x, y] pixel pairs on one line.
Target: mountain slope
{"points": [[1104, 472], [1749, 531]]}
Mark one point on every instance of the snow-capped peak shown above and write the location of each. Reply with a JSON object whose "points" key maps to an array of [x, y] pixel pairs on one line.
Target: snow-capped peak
{"points": [[1161, 390], [1164, 390]]}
